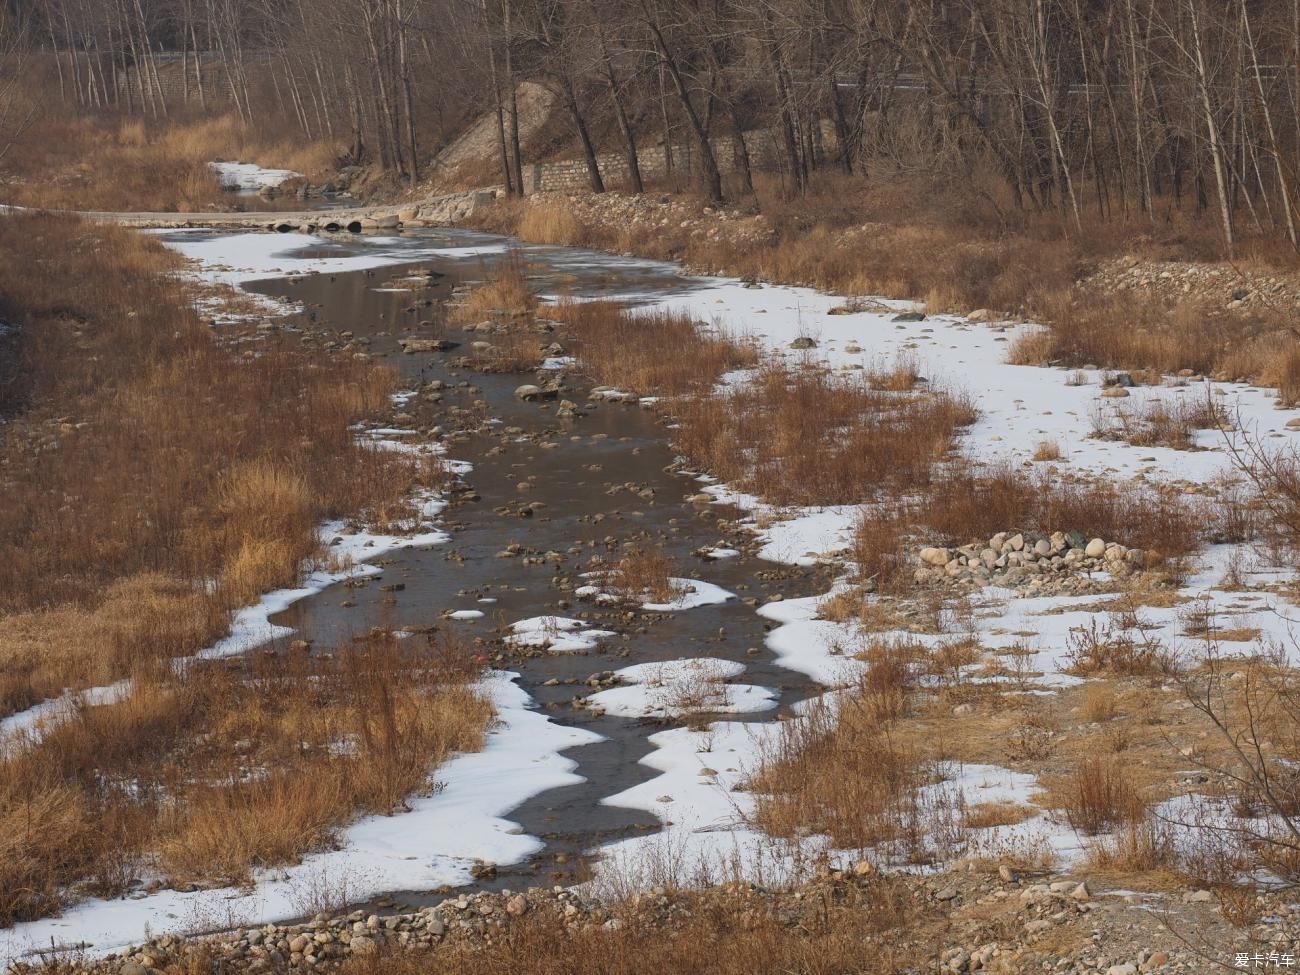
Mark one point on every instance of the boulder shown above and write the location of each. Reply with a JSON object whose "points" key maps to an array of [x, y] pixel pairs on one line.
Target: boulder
{"points": [[936, 556]]}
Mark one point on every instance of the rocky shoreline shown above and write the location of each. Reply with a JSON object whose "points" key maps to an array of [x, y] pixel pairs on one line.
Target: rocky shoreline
{"points": [[969, 919]]}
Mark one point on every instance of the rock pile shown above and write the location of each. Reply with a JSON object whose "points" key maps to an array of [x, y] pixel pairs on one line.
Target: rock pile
{"points": [[327, 940], [1016, 560]]}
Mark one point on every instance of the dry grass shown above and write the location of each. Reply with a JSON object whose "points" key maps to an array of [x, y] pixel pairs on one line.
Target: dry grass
{"points": [[507, 352], [1047, 450], [550, 222], [659, 352], [906, 237], [1160, 422], [1098, 796], [645, 574], [841, 770], [901, 376], [1137, 333], [68, 161], [220, 769], [797, 435], [149, 460], [723, 932], [958, 508], [505, 298], [156, 479]]}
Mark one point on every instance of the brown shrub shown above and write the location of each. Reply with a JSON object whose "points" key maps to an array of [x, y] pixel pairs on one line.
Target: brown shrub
{"points": [[222, 768], [505, 297], [1098, 796], [958, 508], [646, 572], [801, 436], [148, 454], [652, 351]]}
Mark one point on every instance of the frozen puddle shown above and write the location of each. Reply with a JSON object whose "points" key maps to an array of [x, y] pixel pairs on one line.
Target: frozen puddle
{"points": [[433, 844]]}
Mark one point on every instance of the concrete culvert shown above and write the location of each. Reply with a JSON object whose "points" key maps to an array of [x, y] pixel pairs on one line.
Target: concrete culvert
{"points": [[285, 228], [354, 227], [333, 228]]}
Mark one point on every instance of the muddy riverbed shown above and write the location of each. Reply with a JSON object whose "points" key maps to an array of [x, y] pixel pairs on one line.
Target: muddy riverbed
{"points": [[575, 488]]}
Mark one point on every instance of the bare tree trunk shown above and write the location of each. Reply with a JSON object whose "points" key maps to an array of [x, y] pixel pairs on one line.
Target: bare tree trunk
{"points": [[513, 94], [624, 126], [708, 163], [507, 176], [1211, 127], [408, 99], [570, 99], [198, 70], [1282, 185]]}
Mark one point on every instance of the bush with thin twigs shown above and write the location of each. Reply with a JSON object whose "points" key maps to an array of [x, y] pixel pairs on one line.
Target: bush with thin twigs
{"points": [[798, 435], [1117, 646], [1159, 422], [650, 351], [646, 573], [219, 768], [1098, 796]]}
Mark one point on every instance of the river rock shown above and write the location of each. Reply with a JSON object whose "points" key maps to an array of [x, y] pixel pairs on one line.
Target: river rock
{"points": [[936, 556], [1095, 549]]}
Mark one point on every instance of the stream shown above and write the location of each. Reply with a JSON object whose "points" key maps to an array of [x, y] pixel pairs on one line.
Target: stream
{"points": [[578, 505]]}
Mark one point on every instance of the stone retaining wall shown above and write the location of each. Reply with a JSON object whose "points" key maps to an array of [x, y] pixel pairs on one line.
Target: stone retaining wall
{"points": [[763, 146]]}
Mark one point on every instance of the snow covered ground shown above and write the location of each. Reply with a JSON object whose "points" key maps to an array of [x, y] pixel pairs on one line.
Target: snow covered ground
{"points": [[678, 688], [709, 829], [249, 176]]}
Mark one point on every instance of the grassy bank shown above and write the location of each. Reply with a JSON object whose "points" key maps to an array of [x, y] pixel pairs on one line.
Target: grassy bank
{"points": [[88, 162], [959, 253], [157, 478]]}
